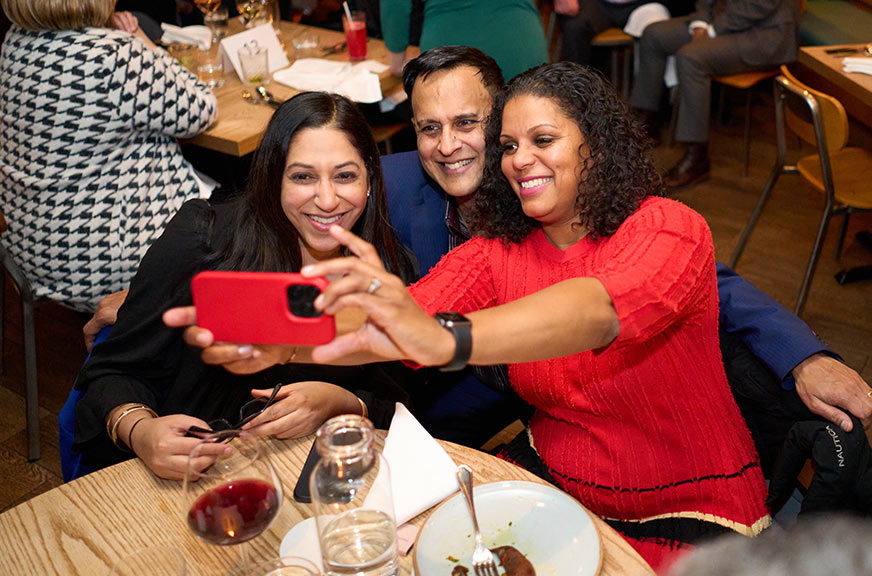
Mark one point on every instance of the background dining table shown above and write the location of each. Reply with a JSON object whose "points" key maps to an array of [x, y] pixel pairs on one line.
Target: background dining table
{"points": [[821, 67], [85, 526], [241, 124]]}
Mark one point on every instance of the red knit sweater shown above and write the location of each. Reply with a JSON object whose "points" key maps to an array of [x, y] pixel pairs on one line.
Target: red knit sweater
{"points": [[646, 427]]}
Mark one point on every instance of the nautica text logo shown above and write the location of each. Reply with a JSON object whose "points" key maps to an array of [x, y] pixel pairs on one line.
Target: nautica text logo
{"points": [[838, 444]]}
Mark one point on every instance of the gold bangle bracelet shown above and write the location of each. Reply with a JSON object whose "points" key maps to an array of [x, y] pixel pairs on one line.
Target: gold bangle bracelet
{"points": [[363, 409], [113, 431], [130, 432]]}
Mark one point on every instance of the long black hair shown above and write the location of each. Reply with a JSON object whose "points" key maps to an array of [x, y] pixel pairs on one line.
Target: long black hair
{"points": [[618, 173], [264, 239]]}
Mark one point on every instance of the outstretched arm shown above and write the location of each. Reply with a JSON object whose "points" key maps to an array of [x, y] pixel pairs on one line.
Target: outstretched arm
{"points": [[528, 329]]}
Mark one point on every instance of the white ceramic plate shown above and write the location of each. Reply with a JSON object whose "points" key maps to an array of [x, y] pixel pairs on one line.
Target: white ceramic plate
{"points": [[555, 533]]}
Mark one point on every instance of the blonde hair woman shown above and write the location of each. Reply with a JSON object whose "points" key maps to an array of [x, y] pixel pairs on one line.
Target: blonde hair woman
{"points": [[90, 169]]}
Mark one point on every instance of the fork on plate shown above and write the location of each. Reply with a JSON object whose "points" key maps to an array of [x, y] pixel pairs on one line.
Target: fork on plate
{"points": [[482, 558]]}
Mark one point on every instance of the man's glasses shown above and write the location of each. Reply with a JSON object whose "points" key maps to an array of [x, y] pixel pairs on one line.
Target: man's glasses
{"points": [[248, 412]]}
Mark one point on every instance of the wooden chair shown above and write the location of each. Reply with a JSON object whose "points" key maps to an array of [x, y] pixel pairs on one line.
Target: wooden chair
{"points": [[746, 81], [27, 300], [384, 134], [621, 45], [841, 172]]}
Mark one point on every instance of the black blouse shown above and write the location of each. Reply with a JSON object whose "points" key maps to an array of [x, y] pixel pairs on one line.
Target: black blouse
{"points": [[146, 362]]}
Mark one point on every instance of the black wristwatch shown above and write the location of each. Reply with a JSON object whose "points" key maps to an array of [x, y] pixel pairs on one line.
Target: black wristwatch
{"points": [[459, 326]]}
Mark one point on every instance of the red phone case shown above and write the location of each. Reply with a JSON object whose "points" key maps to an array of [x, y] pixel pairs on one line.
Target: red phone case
{"points": [[253, 307]]}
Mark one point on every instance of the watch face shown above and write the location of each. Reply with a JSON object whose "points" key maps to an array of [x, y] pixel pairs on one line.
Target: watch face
{"points": [[451, 318]]}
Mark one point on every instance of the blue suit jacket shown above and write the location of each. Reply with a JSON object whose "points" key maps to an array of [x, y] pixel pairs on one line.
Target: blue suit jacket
{"points": [[775, 335], [417, 208]]}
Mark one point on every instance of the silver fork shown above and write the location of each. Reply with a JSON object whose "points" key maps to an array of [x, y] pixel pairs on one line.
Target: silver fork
{"points": [[482, 559]]}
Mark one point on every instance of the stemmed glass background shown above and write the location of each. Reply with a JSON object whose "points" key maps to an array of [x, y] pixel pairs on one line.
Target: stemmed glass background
{"points": [[210, 68], [231, 490], [251, 10], [208, 7]]}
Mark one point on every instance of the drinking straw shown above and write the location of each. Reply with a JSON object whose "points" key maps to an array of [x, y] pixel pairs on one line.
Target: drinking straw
{"points": [[347, 11]]}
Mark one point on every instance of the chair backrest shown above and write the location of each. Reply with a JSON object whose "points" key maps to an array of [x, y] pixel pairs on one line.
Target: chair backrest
{"points": [[833, 117], [2, 223]]}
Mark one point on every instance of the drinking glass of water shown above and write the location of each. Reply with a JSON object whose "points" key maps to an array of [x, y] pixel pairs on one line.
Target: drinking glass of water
{"points": [[354, 507]]}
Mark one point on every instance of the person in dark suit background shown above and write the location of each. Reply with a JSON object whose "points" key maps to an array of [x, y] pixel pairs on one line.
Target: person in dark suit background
{"points": [[720, 37], [581, 20]]}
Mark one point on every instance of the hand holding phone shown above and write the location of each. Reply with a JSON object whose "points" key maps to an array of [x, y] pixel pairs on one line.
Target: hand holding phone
{"points": [[261, 307]]}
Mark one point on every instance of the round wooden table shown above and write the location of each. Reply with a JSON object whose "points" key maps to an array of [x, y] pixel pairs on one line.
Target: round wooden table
{"points": [[84, 526]]}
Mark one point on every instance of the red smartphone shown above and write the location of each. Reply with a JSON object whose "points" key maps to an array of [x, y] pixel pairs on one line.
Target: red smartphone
{"points": [[261, 307]]}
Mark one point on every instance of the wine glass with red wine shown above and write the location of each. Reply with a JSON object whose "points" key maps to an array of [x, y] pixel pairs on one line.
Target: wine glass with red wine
{"points": [[232, 492]]}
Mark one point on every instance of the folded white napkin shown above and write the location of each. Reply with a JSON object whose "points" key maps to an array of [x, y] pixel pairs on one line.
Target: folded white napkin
{"points": [[421, 472], [358, 82], [861, 64], [199, 35], [646, 14]]}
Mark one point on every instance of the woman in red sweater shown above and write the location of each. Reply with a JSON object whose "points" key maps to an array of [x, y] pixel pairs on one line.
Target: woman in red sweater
{"points": [[601, 296]]}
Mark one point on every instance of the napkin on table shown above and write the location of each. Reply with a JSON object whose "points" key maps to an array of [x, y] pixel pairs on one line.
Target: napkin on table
{"points": [[358, 82], [199, 35], [422, 473], [857, 64]]}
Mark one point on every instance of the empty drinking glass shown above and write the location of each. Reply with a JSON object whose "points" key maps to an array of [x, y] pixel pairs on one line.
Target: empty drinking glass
{"points": [[306, 45], [186, 54], [254, 62], [211, 67]]}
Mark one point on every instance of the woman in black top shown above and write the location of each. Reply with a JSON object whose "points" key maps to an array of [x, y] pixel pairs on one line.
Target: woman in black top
{"points": [[316, 166]]}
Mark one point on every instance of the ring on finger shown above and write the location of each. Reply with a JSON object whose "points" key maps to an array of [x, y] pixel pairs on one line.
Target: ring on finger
{"points": [[374, 285]]}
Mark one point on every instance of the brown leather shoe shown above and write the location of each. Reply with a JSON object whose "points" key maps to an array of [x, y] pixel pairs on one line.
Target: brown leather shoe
{"points": [[694, 167]]}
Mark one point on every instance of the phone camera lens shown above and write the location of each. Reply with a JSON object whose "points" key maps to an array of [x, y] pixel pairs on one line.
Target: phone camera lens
{"points": [[301, 298]]}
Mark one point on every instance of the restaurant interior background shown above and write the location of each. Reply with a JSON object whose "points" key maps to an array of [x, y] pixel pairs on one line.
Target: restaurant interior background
{"points": [[774, 260]]}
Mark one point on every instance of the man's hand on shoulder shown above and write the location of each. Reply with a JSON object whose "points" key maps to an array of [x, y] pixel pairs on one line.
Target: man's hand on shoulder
{"points": [[105, 315], [828, 387]]}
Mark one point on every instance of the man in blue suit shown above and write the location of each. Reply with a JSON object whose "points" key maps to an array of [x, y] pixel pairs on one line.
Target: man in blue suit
{"points": [[451, 90]]}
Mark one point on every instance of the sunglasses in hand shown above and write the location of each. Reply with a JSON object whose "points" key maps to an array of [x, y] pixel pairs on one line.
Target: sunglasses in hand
{"points": [[248, 412]]}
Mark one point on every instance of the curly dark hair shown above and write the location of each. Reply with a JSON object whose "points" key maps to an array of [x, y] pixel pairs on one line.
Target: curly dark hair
{"points": [[619, 172]]}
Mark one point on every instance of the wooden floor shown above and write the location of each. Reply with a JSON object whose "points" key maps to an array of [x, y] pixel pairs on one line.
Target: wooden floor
{"points": [[774, 260]]}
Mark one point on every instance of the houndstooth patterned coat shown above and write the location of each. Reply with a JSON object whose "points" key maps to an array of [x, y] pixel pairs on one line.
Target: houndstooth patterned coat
{"points": [[90, 170]]}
